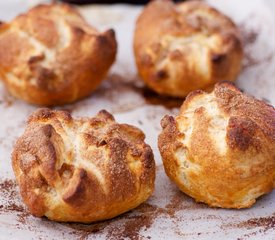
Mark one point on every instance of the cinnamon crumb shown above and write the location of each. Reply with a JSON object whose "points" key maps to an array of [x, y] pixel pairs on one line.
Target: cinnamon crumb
{"points": [[11, 200], [265, 223]]}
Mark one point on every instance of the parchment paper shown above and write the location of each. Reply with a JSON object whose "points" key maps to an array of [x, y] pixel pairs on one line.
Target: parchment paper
{"points": [[169, 214]]}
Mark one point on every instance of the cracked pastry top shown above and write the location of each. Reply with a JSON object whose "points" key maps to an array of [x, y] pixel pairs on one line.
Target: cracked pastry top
{"points": [[220, 149], [51, 56], [82, 170], [186, 46]]}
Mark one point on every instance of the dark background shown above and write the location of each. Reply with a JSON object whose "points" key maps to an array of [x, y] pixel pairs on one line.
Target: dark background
{"points": [[109, 1]]}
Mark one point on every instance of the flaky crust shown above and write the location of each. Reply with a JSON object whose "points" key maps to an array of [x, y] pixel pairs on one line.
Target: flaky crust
{"points": [[186, 46], [221, 148], [82, 170], [51, 56]]}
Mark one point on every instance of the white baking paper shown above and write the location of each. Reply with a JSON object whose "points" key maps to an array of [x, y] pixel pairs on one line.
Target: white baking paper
{"points": [[168, 214]]}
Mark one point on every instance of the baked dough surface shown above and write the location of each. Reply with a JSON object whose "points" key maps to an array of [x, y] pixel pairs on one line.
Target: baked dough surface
{"points": [[220, 149], [51, 56], [186, 46], [82, 170]]}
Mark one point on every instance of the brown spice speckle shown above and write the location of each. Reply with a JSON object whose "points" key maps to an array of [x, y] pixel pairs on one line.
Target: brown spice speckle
{"points": [[6, 99], [133, 224], [265, 223], [261, 225], [250, 38], [12, 201], [141, 219], [115, 86], [120, 85]]}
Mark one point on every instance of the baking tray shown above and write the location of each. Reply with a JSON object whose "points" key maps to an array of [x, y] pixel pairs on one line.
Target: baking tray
{"points": [[168, 214]]}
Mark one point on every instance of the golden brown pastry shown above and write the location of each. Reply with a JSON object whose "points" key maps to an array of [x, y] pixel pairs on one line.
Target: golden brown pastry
{"points": [[51, 56], [220, 150], [186, 46], [82, 170]]}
